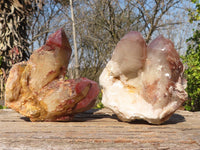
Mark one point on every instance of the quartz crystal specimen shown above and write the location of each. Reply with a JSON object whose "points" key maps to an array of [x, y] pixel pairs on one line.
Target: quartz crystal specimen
{"points": [[37, 88], [143, 82]]}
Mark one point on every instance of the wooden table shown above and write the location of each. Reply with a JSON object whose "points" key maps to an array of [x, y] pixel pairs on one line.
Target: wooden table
{"points": [[99, 129]]}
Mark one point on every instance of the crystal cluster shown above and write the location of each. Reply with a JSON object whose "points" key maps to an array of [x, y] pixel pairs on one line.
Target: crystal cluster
{"points": [[38, 89], [143, 81]]}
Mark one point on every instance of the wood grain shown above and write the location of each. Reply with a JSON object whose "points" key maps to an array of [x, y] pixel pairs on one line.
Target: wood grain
{"points": [[99, 129]]}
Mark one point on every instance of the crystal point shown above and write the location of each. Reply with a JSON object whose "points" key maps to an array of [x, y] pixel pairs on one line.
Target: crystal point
{"points": [[37, 88], [143, 82]]}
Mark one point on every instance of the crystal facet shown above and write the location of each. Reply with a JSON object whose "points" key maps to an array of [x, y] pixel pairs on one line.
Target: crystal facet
{"points": [[143, 82], [37, 88]]}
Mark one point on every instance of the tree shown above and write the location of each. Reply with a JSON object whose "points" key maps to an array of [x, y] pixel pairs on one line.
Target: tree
{"points": [[101, 24], [192, 60], [25, 26], [152, 12], [13, 35], [43, 22], [74, 40]]}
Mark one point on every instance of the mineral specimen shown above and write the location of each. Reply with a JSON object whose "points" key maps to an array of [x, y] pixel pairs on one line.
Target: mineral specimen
{"points": [[37, 88], [143, 82]]}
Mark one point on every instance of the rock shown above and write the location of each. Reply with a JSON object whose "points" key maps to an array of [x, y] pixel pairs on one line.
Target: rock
{"points": [[143, 82], [37, 88]]}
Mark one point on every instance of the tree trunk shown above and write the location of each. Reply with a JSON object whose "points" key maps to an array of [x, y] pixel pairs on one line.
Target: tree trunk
{"points": [[74, 39], [13, 36]]}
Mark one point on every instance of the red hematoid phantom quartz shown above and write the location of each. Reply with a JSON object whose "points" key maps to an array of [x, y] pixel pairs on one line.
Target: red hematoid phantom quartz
{"points": [[143, 82], [37, 88]]}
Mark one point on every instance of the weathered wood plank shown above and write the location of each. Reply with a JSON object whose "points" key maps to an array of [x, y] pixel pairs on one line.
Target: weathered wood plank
{"points": [[99, 130]]}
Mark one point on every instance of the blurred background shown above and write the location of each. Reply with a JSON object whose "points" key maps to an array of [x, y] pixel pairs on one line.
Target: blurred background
{"points": [[98, 25]]}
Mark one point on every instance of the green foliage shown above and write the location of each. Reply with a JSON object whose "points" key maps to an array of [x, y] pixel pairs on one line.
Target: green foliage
{"points": [[2, 107], [192, 60], [195, 15], [193, 80], [100, 96], [99, 105]]}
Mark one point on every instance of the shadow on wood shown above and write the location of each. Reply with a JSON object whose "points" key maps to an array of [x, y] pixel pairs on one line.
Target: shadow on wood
{"points": [[99, 129], [174, 119], [95, 114]]}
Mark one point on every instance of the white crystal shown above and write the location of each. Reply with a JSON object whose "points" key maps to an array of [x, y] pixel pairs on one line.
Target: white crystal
{"points": [[141, 82]]}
